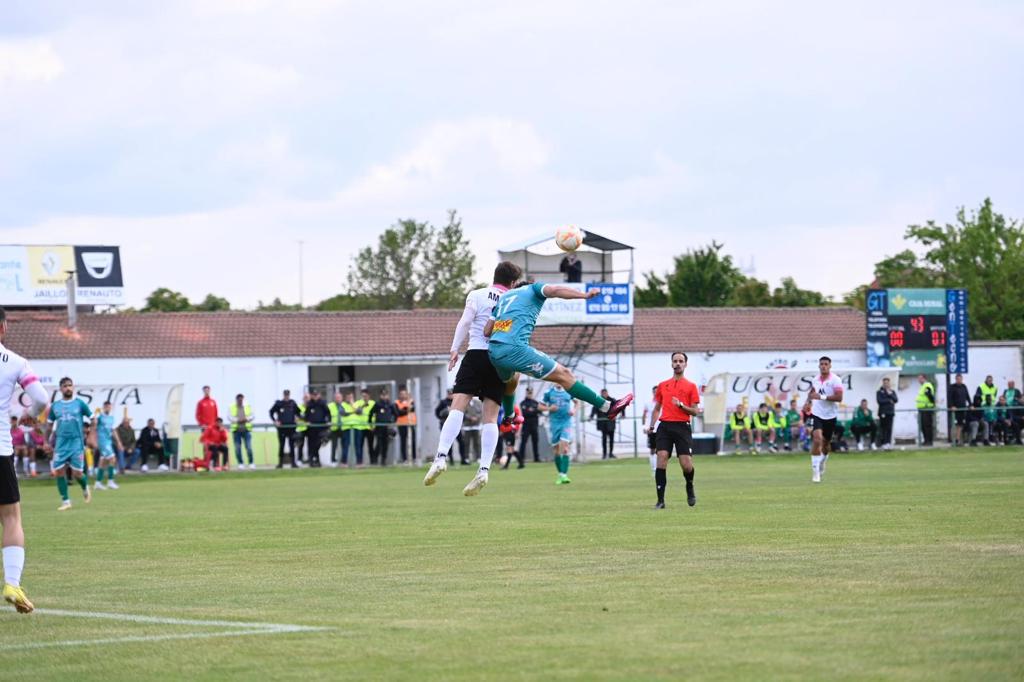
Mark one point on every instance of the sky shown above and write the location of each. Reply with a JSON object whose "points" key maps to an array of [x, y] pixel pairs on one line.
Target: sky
{"points": [[207, 138]]}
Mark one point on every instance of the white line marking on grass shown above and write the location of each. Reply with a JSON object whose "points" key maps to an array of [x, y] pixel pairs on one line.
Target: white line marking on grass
{"points": [[235, 628]]}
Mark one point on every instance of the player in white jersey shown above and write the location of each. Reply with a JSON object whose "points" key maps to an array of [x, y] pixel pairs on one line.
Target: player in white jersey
{"points": [[476, 377], [824, 397], [651, 432], [14, 370]]}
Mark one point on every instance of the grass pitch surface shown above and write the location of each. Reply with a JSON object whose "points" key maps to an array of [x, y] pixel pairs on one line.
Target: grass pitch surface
{"points": [[898, 566]]}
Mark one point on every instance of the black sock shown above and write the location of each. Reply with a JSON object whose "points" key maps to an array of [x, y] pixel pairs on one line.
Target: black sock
{"points": [[659, 481], [688, 475]]}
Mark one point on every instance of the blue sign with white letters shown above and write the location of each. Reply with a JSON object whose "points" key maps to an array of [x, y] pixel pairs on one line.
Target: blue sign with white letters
{"points": [[613, 299], [956, 329]]}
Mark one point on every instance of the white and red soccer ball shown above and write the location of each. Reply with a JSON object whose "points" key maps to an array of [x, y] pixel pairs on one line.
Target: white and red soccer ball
{"points": [[569, 238]]}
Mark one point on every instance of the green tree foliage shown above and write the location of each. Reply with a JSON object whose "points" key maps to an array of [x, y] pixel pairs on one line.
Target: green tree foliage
{"points": [[752, 293], [653, 294], [789, 295], [703, 277], [277, 305], [164, 300], [414, 265], [982, 252], [212, 303]]}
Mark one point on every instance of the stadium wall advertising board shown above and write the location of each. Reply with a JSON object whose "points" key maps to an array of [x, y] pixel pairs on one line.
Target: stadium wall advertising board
{"points": [[614, 306], [161, 402], [917, 330], [36, 275]]}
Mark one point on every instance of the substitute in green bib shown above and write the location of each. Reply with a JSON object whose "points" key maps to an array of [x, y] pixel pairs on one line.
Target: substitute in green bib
{"points": [[925, 409]]}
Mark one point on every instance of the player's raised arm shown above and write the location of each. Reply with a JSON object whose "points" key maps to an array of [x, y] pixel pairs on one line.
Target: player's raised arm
{"points": [[560, 291]]}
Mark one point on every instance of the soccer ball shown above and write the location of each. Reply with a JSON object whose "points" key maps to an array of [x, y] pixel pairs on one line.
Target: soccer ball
{"points": [[569, 238]]}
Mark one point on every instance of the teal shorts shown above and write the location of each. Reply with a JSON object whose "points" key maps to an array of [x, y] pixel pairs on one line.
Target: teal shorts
{"points": [[76, 460], [509, 358], [561, 431], [106, 448]]}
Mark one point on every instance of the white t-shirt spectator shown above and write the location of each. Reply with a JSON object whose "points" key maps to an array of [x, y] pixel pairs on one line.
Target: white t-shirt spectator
{"points": [[826, 409]]}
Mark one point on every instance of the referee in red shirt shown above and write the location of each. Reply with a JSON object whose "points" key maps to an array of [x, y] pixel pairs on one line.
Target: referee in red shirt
{"points": [[676, 400]]}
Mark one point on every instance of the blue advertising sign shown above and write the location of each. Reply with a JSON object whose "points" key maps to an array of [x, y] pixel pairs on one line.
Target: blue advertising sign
{"points": [[956, 329], [613, 300]]}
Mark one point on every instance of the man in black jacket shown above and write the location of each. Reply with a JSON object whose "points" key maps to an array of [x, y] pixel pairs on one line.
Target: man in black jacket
{"points": [[385, 416], [887, 399], [318, 415], [606, 427], [284, 414], [150, 442], [960, 400], [531, 418]]}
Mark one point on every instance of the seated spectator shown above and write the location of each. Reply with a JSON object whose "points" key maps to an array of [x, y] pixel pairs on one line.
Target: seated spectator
{"points": [[977, 427], [863, 424], [782, 430], [991, 417], [129, 452], [215, 442], [838, 441], [794, 424], [739, 422], [39, 447], [18, 447], [764, 428], [151, 443], [1003, 432], [1016, 412]]}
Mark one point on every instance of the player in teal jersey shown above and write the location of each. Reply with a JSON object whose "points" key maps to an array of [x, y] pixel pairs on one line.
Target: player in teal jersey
{"points": [[561, 408], [67, 417], [510, 328], [106, 439]]}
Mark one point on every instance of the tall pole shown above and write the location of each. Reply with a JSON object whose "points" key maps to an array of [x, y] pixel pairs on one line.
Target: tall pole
{"points": [[301, 276]]}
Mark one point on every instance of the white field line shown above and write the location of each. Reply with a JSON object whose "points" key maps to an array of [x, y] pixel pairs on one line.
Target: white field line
{"points": [[235, 628]]}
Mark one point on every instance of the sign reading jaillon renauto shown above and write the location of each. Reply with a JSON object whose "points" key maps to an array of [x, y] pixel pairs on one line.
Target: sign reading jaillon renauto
{"points": [[36, 275]]}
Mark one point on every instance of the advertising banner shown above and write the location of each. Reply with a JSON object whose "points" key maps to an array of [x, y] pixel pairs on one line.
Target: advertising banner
{"points": [[36, 275], [160, 402], [614, 306]]}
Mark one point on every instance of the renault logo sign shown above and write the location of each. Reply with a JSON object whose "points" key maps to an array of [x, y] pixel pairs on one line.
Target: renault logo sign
{"points": [[99, 264]]}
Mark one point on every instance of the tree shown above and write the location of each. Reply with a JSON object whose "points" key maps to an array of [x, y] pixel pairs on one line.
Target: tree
{"points": [[983, 253], [653, 294], [277, 305], [789, 295], [703, 278], [414, 265], [906, 271], [751, 293], [348, 302], [212, 304], [164, 300]]}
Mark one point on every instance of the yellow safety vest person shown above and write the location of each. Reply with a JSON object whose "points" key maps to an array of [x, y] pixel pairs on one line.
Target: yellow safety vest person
{"points": [[332, 407], [350, 419], [986, 392], [301, 424], [247, 411], [923, 401], [363, 420]]}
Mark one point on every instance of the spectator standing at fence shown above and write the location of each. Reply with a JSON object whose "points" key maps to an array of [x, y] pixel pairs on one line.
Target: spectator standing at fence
{"points": [[606, 427], [285, 415], [959, 401], [1012, 393], [385, 418], [349, 421], [241, 429], [406, 408], [472, 422], [151, 443], [206, 409], [318, 418], [530, 410], [301, 427], [886, 398], [925, 409], [988, 391], [863, 424], [441, 412], [334, 430], [572, 267], [364, 410]]}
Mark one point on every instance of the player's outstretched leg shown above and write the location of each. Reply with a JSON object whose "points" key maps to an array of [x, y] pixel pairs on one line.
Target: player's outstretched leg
{"points": [[577, 389]]}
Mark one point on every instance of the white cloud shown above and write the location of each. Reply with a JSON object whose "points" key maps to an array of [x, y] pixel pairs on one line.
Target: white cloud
{"points": [[30, 61]]}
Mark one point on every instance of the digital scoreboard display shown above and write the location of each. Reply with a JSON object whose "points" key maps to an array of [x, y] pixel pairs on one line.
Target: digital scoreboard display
{"points": [[917, 330]]}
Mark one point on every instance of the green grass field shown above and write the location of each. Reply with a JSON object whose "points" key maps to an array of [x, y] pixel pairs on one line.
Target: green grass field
{"points": [[899, 566]]}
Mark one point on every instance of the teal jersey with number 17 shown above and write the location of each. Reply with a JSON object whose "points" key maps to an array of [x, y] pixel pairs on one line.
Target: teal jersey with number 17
{"points": [[516, 314]]}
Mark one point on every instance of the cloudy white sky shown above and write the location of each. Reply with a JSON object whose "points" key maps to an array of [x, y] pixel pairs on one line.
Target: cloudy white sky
{"points": [[206, 137]]}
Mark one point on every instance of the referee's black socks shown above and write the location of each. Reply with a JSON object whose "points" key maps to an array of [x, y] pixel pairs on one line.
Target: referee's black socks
{"points": [[659, 481], [688, 475]]}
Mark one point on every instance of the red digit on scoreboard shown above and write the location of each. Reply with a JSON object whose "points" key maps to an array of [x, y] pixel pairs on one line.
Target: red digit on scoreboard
{"points": [[895, 338], [938, 338], [917, 324]]}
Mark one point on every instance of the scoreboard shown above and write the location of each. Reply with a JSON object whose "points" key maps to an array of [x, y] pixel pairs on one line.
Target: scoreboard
{"points": [[917, 330]]}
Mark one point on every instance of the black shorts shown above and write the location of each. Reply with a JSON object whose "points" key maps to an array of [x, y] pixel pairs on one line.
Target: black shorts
{"points": [[826, 426], [478, 377], [960, 416], [509, 438], [9, 493], [677, 434], [652, 443]]}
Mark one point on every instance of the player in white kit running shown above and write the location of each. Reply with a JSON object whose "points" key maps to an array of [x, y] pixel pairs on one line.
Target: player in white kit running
{"points": [[824, 397], [14, 370], [476, 377]]}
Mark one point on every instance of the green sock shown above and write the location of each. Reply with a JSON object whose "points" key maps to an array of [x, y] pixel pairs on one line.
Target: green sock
{"points": [[586, 394], [558, 463], [508, 403], [99, 474], [62, 487], [110, 472], [84, 481], [565, 464]]}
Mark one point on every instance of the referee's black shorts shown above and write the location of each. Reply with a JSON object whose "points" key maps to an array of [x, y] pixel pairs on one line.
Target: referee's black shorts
{"points": [[676, 434], [826, 426], [478, 377], [9, 493]]}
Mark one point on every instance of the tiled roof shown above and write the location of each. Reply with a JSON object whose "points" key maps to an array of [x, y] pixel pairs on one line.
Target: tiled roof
{"points": [[411, 333]]}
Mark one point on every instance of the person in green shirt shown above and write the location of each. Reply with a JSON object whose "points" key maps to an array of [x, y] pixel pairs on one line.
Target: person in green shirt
{"points": [[794, 424], [863, 424], [739, 422]]}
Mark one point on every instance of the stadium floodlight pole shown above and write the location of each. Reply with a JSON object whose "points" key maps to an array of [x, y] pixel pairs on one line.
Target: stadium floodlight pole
{"points": [[72, 306]]}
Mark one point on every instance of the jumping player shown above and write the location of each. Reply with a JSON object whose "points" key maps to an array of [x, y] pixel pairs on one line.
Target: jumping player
{"points": [[676, 400], [510, 328], [476, 377], [68, 417], [824, 397], [14, 369], [106, 439]]}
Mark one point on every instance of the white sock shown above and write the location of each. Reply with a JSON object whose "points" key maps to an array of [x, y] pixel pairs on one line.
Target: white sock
{"points": [[488, 444], [816, 462], [449, 432], [14, 561], [605, 406], [654, 462], [32, 466]]}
